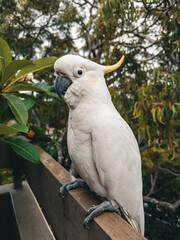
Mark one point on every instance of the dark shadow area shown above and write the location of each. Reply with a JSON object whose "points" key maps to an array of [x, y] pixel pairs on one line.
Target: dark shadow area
{"points": [[8, 225]]}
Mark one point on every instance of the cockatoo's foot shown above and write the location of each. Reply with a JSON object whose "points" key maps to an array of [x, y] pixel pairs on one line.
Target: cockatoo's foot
{"points": [[93, 212], [72, 185]]}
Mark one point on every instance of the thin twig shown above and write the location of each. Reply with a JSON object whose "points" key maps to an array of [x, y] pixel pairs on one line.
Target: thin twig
{"points": [[153, 183], [167, 170], [35, 115], [143, 36]]}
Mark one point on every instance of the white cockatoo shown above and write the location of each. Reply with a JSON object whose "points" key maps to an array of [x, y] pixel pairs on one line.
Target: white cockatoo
{"points": [[101, 145]]}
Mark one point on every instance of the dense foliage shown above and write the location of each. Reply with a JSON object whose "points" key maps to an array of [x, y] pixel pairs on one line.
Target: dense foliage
{"points": [[145, 90], [14, 80]]}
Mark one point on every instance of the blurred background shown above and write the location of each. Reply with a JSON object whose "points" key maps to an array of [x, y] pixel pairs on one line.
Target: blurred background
{"points": [[145, 90]]}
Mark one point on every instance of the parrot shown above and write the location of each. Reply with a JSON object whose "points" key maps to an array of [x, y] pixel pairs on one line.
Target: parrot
{"points": [[101, 144]]}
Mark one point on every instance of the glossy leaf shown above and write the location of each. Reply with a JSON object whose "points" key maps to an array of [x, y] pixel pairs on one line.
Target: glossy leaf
{"points": [[50, 90], [29, 103], [5, 53], [24, 87], [38, 101], [17, 107], [13, 67], [38, 87], [4, 129], [40, 64], [24, 149]]}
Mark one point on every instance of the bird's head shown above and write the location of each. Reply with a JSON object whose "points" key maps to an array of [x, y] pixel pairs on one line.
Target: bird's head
{"points": [[73, 68]]}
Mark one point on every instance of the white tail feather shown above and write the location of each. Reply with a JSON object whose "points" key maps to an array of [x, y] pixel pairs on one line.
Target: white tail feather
{"points": [[131, 221]]}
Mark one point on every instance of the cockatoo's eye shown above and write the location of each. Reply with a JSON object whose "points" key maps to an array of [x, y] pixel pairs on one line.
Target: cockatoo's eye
{"points": [[78, 72]]}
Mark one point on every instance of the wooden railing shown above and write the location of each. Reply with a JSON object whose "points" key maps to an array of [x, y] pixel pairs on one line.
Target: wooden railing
{"points": [[66, 215], [20, 215]]}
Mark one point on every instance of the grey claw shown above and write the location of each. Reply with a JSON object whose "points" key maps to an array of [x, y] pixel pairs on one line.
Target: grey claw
{"points": [[93, 212], [71, 185], [85, 224], [62, 193], [63, 190], [90, 210]]}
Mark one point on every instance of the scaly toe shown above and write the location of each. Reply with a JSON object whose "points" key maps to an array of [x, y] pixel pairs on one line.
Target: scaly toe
{"points": [[90, 210], [71, 185], [93, 212]]}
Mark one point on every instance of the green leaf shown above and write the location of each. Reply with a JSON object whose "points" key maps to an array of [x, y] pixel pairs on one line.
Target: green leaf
{"points": [[5, 53], [177, 73], [24, 87], [5, 112], [20, 128], [43, 86], [153, 112], [13, 67], [46, 61], [29, 103], [17, 107], [25, 57], [159, 115], [4, 129], [24, 149], [47, 89], [137, 110], [40, 64], [38, 87], [1, 67], [8, 115], [173, 111], [39, 102]]}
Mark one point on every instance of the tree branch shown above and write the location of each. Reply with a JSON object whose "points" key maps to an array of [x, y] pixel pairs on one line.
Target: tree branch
{"points": [[141, 35], [167, 205], [35, 115], [167, 170], [86, 2], [153, 183]]}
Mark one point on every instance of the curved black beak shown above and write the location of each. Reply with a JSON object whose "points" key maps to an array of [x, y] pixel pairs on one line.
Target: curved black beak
{"points": [[62, 83]]}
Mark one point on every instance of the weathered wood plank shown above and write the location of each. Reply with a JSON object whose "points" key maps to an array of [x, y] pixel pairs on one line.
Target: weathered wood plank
{"points": [[66, 215]]}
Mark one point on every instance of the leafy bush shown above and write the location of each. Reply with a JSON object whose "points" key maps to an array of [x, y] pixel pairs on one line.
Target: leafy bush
{"points": [[15, 104]]}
